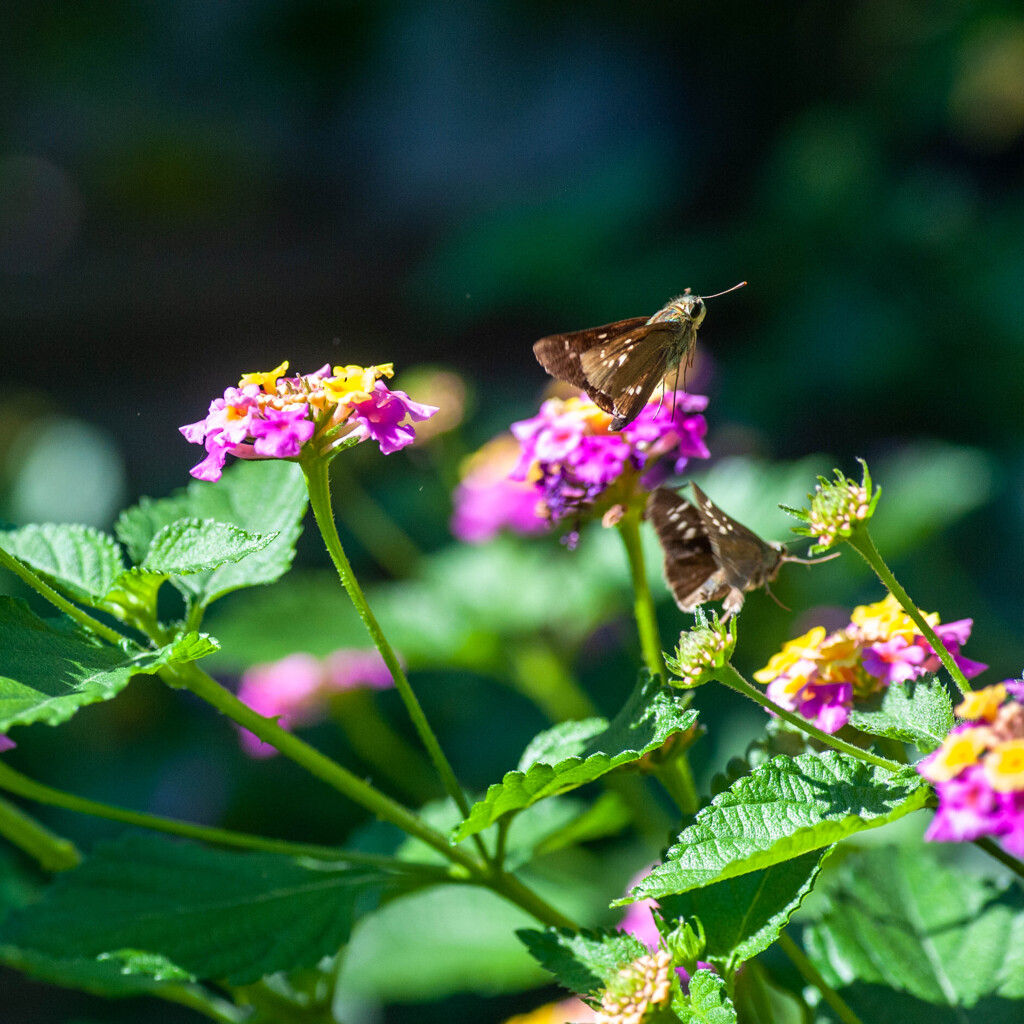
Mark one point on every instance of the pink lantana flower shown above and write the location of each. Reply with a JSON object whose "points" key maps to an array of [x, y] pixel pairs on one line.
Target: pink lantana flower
{"points": [[297, 689], [978, 771], [821, 677], [270, 416], [571, 463]]}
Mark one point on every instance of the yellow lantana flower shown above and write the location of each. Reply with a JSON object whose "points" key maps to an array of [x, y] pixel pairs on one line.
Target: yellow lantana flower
{"points": [[1004, 767], [982, 704], [958, 751], [267, 381], [803, 647]]}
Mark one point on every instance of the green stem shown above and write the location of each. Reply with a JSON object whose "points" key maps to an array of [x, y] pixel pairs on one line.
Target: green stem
{"points": [[71, 610], [317, 483], [862, 543], [728, 676], [993, 849], [675, 774], [198, 999], [53, 852], [15, 782], [643, 601], [677, 778], [812, 976], [313, 761], [522, 895], [376, 743]]}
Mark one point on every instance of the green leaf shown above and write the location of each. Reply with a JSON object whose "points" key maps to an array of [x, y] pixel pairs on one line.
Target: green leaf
{"points": [[584, 962], [78, 560], [436, 942], [743, 916], [918, 712], [116, 977], [216, 914], [188, 546], [260, 498], [707, 1002], [49, 668], [783, 809], [577, 753], [902, 919]]}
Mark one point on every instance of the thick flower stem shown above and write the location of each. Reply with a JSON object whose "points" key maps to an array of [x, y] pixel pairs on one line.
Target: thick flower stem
{"points": [[862, 543], [15, 782], [314, 762], [994, 850], [813, 977], [317, 483], [674, 774], [728, 676], [51, 851], [643, 601]]}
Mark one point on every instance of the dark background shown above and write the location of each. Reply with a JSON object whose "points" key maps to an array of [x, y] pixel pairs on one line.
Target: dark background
{"points": [[193, 190]]}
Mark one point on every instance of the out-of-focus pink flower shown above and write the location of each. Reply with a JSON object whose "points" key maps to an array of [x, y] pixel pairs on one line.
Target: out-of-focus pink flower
{"points": [[487, 501], [6, 743], [297, 689]]}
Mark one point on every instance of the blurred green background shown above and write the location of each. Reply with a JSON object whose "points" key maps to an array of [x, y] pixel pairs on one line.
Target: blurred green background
{"points": [[192, 190]]}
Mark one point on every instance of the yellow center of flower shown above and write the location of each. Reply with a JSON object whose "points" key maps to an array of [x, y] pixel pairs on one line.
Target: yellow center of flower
{"points": [[267, 381], [982, 704], [957, 752], [1004, 767]]}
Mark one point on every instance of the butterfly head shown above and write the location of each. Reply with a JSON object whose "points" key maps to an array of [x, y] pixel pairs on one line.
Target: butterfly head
{"points": [[684, 309]]}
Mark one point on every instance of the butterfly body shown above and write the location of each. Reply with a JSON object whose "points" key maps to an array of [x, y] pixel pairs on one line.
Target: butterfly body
{"points": [[708, 555], [619, 365]]}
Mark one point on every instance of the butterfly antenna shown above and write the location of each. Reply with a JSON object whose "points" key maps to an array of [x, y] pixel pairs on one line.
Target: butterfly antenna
{"points": [[742, 284]]}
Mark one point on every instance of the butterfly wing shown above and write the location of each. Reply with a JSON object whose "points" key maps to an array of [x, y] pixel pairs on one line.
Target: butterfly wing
{"points": [[628, 367], [560, 355], [746, 561], [690, 569]]}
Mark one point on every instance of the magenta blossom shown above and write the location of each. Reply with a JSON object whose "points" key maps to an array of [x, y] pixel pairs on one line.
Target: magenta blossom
{"points": [[269, 416], [6, 743], [978, 771], [382, 417], [296, 689], [576, 459]]}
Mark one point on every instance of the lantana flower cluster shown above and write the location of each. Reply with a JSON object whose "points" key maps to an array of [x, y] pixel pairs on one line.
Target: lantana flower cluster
{"points": [[978, 771], [569, 458], [270, 416], [297, 689], [820, 676]]}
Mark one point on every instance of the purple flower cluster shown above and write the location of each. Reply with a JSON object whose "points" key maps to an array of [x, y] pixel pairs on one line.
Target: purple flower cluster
{"points": [[297, 689], [978, 772], [576, 457], [269, 416]]}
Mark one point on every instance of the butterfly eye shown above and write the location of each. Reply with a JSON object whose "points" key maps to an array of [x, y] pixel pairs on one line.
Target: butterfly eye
{"points": [[696, 309]]}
